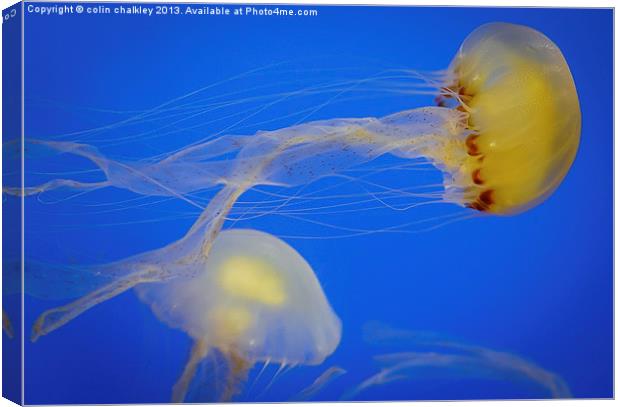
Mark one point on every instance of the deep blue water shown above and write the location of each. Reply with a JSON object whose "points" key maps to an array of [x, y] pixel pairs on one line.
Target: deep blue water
{"points": [[537, 285]]}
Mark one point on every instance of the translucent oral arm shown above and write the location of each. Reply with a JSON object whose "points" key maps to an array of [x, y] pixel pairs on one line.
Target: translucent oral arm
{"points": [[289, 156], [54, 184], [198, 352], [54, 318]]}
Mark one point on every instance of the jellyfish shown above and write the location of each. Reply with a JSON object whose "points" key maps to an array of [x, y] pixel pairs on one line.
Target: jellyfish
{"points": [[504, 133], [447, 358], [254, 299]]}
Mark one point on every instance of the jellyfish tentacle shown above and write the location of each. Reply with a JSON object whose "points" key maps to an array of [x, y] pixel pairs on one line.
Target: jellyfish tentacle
{"points": [[319, 383], [283, 368], [433, 350], [258, 376], [54, 184], [198, 352]]}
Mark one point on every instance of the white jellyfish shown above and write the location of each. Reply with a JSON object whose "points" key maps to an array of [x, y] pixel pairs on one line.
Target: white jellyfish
{"points": [[254, 299]]}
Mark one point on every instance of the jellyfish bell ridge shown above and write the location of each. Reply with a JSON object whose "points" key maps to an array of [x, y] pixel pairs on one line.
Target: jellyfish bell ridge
{"points": [[523, 111]]}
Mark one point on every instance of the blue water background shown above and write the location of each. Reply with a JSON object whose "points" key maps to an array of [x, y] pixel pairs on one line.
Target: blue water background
{"points": [[538, 285]]}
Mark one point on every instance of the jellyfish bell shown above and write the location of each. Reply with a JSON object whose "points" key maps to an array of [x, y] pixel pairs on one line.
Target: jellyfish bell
{"points": [[256, 300], [252, 286], [521, 102]]}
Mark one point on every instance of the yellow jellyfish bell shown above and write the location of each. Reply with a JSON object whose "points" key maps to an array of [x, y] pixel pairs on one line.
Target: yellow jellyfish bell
{"points": [[523, 107], [256, 300]]}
